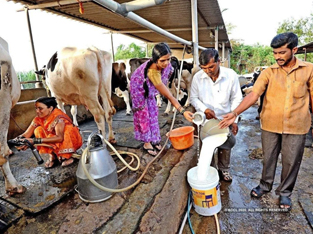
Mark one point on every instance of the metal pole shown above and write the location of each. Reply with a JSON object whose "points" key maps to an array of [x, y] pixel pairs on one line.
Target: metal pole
{"points": [[223, 53], [216, 38], [112, 47], [38, 85], [195, 40]]}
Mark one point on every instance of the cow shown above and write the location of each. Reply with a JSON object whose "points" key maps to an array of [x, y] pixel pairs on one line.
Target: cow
{"points": [[185, 85], [82, 76], [120, 83], [10, 92]]}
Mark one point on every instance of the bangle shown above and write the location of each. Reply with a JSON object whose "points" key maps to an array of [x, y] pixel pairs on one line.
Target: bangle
{"points": [[234, 113], [182, 111], [179, 109], [37, 140]]}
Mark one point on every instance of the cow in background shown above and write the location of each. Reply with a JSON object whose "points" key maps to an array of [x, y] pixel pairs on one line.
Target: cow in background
{"points": [[185, 84], [10, 92], [120, 83], [83, 77]]}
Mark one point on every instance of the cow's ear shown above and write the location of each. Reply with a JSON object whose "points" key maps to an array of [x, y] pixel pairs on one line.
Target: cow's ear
{"points": [[115, 67]]}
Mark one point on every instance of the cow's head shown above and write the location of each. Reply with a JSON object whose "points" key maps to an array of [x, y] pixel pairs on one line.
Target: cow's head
{"points": [[119, 77]]}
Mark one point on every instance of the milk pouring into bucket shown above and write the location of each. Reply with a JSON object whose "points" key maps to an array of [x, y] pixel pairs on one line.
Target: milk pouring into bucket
{"points": [[203, 178]]}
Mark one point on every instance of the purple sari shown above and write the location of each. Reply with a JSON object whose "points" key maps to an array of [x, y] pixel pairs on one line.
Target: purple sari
{"points": [[145, 110]]}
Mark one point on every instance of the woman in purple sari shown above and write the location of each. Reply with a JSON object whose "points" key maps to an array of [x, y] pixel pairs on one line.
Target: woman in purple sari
{"points": [[146, 82]]}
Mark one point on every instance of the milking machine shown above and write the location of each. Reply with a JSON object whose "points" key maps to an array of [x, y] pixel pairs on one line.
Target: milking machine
{"points": [[20, 141]]}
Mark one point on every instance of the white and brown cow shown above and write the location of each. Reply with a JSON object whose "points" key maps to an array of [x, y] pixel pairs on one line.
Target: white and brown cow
{"points": [[10, 92], [83, 77]]}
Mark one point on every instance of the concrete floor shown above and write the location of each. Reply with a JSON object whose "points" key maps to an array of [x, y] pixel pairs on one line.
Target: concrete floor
{"points": [[158, 203]]}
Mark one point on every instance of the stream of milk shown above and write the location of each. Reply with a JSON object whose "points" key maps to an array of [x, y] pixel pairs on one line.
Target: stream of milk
{"points": [[208, 146]]}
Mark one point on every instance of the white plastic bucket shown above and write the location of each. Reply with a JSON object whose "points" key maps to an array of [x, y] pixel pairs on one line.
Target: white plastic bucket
{"points": [[205, 193]]}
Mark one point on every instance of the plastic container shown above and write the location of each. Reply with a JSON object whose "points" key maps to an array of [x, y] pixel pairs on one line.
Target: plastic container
{"points": [[205, 193], [211, 128], [181, 138]]}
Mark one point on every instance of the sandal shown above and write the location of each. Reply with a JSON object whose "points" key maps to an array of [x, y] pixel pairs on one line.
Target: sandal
{"points": [[157, 147], [67, 162], [224, 175], [257, 192], [285, 203], [16, 190], [151, 151]]}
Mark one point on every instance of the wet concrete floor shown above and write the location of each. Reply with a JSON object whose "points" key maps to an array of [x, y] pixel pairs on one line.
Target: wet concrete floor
{"points": [[158, 203]]}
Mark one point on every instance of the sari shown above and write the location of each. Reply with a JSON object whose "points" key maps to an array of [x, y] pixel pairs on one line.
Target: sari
{"points": [[46, 128], [145, 110]]}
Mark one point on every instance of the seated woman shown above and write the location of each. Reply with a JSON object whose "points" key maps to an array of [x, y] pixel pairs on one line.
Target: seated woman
{"points": [[53, 128]]}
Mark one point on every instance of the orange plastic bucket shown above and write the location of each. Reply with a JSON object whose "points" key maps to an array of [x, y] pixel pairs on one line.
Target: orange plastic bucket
{"points": [[181, 138]]}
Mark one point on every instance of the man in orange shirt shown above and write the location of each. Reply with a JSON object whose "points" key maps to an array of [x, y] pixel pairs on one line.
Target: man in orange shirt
{"points": [[285, 116]]}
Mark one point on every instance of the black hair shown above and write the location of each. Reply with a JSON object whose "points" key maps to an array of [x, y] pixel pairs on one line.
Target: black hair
{"points": [[207, 55], [282, 39], [158, 51], [48, 101]]}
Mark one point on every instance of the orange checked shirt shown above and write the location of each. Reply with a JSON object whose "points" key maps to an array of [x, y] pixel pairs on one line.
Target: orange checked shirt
{"points": [[286, 102]]}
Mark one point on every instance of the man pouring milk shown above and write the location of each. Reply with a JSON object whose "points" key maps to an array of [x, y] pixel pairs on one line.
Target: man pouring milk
{"points": [[215, 91]]}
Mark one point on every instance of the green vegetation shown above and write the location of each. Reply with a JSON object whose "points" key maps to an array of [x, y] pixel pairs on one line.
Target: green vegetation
{"points": [[131, 51], [245, 58], [27, 76]]}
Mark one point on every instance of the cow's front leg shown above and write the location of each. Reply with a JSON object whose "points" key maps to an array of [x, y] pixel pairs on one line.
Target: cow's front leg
{"points": [[74, 114], [187, 103], [168, 109], [159, 100]]}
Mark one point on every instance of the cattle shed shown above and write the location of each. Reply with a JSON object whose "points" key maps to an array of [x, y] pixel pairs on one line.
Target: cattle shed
{"points": [[307, 48], [196, 24]]}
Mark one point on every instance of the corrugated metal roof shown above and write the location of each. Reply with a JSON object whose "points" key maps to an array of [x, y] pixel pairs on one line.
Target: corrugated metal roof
{"points": [[173, 16]]}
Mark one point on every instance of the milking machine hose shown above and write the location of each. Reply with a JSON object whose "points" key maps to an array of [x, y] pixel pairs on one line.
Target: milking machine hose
{"points": [[22, 141]]}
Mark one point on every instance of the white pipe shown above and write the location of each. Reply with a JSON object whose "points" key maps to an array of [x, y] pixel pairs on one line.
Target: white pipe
{"points": [[169, 30], [113, 6], [140, 4]]}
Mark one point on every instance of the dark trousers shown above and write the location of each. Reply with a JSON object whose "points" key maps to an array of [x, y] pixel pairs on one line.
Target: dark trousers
{"points": [[291, 147]]}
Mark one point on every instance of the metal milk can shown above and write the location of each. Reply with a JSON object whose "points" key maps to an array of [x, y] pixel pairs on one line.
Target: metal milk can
{"points": [[101, 168]]}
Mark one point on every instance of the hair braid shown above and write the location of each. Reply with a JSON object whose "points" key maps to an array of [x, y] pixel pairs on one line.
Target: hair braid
{"points": [[145, 85]]}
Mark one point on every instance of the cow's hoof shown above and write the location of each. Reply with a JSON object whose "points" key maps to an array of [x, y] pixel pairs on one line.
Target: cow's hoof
{"points": [[128, 114], [165, 114], [113, 141], [17, 190]]}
